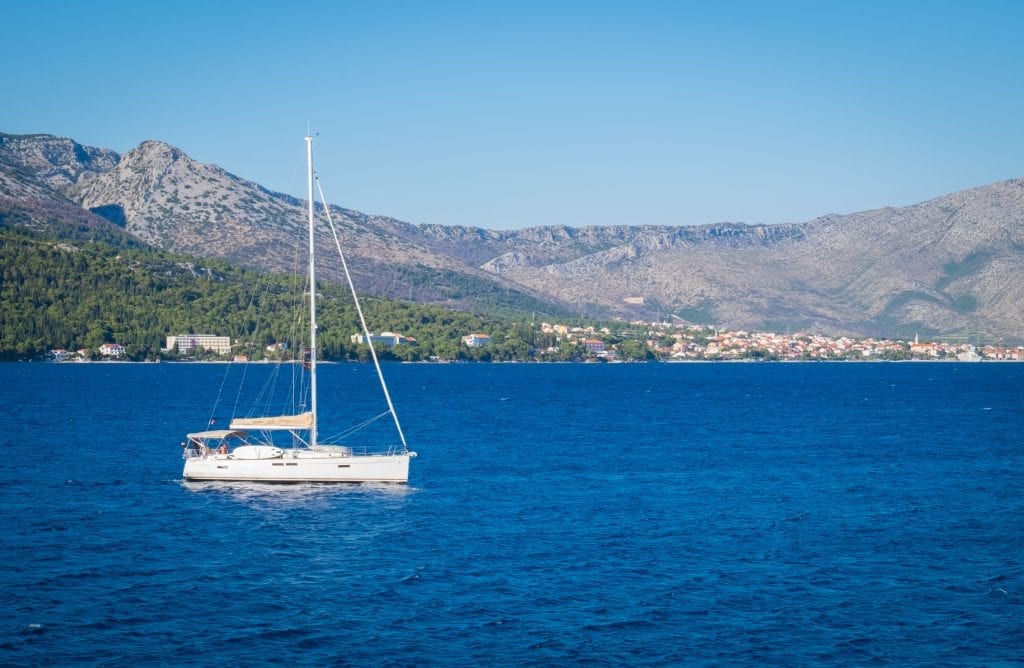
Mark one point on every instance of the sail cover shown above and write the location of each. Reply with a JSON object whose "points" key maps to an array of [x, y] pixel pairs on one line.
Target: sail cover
{"points": [[277, 422]]}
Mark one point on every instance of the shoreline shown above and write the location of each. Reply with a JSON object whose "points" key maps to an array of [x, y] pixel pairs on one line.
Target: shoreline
{"points": [[598, 363]]}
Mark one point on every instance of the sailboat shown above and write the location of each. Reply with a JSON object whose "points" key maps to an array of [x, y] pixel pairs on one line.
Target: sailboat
{"points": [[252, 448]]}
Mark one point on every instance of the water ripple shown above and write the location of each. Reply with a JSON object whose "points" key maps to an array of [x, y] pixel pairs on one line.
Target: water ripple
{"points": [[617, 515]]}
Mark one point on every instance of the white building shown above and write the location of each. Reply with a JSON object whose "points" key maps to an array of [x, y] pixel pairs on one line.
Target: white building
{"points": [[387, 338], [475, 340], [188, 343], [112, 350]]}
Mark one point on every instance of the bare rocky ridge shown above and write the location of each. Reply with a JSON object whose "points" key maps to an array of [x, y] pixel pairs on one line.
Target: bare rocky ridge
{"points": [[952, 266], [54, 161], [34, 172]]}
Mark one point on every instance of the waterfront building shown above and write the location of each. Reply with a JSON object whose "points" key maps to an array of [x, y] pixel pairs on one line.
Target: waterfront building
{"points": [[188, 343]]}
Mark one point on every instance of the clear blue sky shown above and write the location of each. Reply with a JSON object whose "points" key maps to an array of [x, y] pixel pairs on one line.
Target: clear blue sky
{"points": [[513, 114]]}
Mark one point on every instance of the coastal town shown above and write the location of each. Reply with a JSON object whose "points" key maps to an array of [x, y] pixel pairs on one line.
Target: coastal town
{"points": [[619, 342], [668, 342]]}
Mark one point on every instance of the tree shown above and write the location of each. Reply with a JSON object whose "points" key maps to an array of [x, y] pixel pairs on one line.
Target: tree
{"points": [[633, 350]]}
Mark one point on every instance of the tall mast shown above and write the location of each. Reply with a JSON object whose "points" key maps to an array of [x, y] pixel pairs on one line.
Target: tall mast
{"points": [[312, 292]]}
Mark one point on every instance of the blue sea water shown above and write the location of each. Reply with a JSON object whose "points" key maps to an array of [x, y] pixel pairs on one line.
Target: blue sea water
{"points": [[658, 514]]}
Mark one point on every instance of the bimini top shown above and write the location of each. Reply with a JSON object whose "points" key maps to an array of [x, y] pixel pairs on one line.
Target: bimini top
{"points": [[277, 422], [216, 433]]}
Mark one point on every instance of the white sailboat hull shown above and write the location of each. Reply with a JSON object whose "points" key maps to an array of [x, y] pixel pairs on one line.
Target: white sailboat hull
{"points": [[301, 468]]}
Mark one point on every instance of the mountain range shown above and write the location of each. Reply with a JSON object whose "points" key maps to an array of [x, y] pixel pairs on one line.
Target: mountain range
{"points": [[949, 267]]}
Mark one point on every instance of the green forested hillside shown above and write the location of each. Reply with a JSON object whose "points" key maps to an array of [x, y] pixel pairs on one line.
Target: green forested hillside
{"points": [[75, 294]]}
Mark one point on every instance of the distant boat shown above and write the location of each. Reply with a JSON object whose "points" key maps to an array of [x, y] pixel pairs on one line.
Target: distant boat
{"points": [[251, 449]]}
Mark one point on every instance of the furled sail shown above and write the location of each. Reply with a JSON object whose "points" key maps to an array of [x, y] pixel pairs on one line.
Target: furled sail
{"points": [[277, 422]]}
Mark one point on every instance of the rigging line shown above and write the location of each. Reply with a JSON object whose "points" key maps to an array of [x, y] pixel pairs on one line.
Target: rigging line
{"points": [[241, 384], [358, 427], [259, 286], [300, 386], [299, 277], [227, 372], [359, 310], [268, 400], [220, 392]]}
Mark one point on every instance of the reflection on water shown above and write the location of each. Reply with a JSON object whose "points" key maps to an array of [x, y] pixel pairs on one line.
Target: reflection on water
{"points": [[296, 494]]}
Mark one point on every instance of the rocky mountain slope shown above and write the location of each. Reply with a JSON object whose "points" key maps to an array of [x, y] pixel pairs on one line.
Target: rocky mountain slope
{"points": [[36, 169], [952, 266], [162, 197]]}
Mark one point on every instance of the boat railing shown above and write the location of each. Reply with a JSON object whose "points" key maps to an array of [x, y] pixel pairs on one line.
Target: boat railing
{"points": [[335, 450], [195, 452], [388, 451]]}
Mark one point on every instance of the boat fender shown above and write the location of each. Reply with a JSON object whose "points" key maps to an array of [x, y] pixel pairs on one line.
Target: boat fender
{"points": [[412, 455]]}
